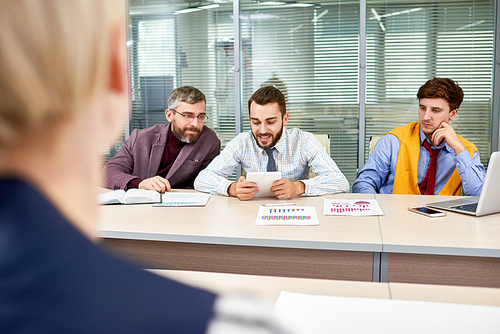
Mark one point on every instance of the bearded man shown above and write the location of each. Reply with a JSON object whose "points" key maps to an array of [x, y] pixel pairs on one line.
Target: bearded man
{"points": [[166, 156], [271, 146]]}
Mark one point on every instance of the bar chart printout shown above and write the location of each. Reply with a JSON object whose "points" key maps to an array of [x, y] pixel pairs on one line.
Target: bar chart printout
{"points": [[279, 215], [334, 207], [184, 199]]}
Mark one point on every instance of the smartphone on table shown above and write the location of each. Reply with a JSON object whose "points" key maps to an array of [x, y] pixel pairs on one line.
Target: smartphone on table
{"points": [[427, 211]]}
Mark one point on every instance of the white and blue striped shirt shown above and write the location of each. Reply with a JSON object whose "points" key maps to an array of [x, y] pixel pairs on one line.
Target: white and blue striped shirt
{"points": [[295, 153]]}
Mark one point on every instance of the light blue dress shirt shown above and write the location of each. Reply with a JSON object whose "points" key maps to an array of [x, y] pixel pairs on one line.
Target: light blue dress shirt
{"points": [[295, 153], [377, 176]]}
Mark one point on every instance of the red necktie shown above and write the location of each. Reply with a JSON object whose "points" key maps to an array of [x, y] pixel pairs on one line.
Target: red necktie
{"points": [[427, 185]]}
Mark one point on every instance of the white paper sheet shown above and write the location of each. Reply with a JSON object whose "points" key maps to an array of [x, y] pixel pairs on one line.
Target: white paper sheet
{"points": [[326, 314], [336, 207], [287, 215]]}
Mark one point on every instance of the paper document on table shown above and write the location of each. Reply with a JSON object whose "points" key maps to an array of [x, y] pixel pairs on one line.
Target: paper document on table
{"points": [[287, 215], [327, 314], [184, 199], [337, 207]]}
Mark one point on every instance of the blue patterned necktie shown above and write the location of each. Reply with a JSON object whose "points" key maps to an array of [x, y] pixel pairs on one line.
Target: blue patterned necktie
{"points": [[271, 163]]}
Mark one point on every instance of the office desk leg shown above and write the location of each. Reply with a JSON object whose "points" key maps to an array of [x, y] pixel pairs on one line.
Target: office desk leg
{"points": [[379, 267], [376, 266], [383, 267]]}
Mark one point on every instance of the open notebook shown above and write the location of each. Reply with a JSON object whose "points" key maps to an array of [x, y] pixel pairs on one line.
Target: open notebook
{"points": [[487, 203]]}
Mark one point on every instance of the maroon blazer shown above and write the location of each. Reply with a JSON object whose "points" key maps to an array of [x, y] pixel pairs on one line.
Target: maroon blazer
{"points": [[141, 154]]}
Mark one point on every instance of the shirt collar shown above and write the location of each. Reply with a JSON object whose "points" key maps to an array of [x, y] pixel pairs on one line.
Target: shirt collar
{"points": [[281, 144], [443, 144]]}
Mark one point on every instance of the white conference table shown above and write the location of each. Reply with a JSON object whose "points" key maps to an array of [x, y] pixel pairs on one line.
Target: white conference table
{"points": [[268, 288], [223, 237], [369, 306], [456, 249], [399, 246]]}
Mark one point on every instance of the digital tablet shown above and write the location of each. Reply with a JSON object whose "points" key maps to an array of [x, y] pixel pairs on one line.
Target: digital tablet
{"points": [[264, 181]]}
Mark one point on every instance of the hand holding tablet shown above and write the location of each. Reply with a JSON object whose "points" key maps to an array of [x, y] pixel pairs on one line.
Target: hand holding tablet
{"points": [[264, 181]]}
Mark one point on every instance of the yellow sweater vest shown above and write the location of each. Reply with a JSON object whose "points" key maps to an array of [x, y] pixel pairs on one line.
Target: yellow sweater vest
{"points": [[406, 178]]}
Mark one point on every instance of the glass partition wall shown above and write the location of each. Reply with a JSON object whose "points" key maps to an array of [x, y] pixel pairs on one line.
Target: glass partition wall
{"points": [[409, 42], [311, 51]]}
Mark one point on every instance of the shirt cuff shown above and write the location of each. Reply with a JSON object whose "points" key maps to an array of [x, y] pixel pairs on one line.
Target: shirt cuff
{"points": [[134, 183], [308, 190], [224, 186], [463, 161]]}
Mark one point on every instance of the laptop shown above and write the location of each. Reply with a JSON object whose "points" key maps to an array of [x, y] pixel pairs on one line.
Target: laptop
{"points": [[487, 203]]}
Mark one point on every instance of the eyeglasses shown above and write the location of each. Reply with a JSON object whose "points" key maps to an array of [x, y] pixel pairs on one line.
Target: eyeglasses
{"points": [[190, 117]]}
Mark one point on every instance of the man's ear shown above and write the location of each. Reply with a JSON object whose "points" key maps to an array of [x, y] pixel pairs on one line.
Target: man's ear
{"points": [[285, 119], [169, 115], [453, 114], [117, 82]]}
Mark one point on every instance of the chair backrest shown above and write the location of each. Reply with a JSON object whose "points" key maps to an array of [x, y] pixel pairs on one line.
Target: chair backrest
{"points": [[373, 141], [324, 139]]}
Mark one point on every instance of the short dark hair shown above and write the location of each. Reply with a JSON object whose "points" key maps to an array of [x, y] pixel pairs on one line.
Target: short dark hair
{"points": [[188, 94], [269, 94], [442, 88]]}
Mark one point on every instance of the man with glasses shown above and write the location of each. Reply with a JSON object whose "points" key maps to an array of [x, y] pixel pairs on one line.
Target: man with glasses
{"points": [[270, 146], [166, 156]]}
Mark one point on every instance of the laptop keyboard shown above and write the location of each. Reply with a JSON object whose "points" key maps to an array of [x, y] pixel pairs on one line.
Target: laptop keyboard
{"points": [[467, 207]]}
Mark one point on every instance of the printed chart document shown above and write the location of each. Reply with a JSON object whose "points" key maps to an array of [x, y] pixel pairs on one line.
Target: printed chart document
{"points": [[184, 199], [131, 196], [336, 207], [287, 215], [326, 314]]}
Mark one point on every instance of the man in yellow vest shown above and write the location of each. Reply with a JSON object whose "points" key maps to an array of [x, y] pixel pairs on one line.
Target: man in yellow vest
{"points": [[425, 157]]}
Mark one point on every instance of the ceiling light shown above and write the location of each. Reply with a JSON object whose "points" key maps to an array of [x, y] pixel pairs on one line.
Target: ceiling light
{"points": [[186, 10], [471, 25], [195, 9], [272, 3], [259, 16], [291, 31], [300, 4], [378, 17], [286, 3], [323, 13], [214, 5]]}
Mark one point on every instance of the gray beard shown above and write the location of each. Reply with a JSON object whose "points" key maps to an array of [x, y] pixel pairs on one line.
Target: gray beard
{"points": [[183, 140]]}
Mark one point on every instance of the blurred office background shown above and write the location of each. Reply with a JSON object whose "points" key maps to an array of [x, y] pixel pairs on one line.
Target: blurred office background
{"points": [[349, 69]]}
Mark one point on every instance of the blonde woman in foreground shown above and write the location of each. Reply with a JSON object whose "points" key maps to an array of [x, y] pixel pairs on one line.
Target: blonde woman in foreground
{"points": [[62, 98]]}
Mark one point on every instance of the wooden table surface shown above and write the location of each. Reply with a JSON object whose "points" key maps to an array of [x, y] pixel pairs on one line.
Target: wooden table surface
{"points": [[399, 246]]}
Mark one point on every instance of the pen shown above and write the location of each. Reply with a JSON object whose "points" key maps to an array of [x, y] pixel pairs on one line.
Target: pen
{"points": [[283, 204]]}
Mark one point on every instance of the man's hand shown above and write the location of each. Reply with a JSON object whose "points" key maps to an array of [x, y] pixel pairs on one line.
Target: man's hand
{"points": [[284, 188], [446, 132], [243, 189], [157, 183]]}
